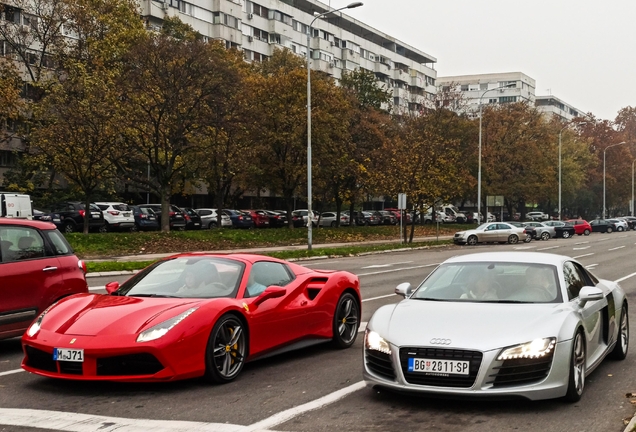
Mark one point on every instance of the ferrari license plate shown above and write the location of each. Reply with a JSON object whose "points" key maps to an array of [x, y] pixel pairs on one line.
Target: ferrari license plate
{"points": [[456, 367], [67, 354]]}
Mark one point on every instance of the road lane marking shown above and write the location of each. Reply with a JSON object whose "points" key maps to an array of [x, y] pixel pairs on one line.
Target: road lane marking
{"points": [[581, 256], [97, 288], [363, 326], [603, 239], [616, 248], [524, 247], [386, 265], [14, 371], [581, 248], [548, 248], [75, 422], [580, 243], [591, 265], [291, 413], [625, 278], [398, 269], [379, 297]]}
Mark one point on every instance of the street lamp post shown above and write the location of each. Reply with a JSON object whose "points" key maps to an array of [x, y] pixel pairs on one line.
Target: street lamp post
{"points": [[561, 131], [632, 212], [479, 165], [604, 151], [309, 211]]}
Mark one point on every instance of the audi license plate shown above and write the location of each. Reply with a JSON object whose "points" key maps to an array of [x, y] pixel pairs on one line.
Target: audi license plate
{"points": [[67, 354], [456, 367]]}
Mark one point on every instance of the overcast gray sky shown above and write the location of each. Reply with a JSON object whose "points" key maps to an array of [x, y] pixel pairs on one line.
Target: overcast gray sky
{"points": [[581, 51]]}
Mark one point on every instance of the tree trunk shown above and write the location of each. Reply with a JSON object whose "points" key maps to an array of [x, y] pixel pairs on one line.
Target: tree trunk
{"points": [[165, 209]]}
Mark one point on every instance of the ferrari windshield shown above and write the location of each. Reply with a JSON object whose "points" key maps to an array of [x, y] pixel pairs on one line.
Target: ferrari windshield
{"points": [[187, 277], [492, 282]]}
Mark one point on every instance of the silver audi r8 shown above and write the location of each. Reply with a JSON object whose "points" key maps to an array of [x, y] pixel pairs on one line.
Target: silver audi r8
{"points": [[504, 324]]}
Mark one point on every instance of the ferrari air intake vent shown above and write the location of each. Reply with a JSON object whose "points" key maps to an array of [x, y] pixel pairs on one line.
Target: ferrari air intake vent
{"points": [[39, 359], [515, 372], [441, 380], [132, 364], [379, 364], [314, 286], [71, 368]]}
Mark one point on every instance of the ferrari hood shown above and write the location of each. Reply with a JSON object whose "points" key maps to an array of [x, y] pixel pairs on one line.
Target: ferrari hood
{"points": [[479, 326], [94, 314]]}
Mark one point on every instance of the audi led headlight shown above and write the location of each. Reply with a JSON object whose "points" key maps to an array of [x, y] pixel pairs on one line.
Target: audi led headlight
{"points": [[374, 341], [162, 328], [536, 349]]}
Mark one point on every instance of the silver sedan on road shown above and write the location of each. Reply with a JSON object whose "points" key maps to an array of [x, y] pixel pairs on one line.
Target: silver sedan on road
{"points": [[502, 324], [542, 231], [491, 232]]}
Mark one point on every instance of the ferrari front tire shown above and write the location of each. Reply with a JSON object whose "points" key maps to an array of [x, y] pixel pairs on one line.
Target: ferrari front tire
{"points": [[346, 321], [226, 350], [576, 381], [622, 342]]}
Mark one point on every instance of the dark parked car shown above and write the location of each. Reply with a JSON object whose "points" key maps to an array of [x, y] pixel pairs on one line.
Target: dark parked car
{"points": [[177, 219], [37, 268], [145, 218], [239, 219], [387, 217], [277, 219], [68, 217], [602, 225], [193, 220]]}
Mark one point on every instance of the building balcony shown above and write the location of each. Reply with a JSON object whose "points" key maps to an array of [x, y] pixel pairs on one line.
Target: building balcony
{"points": [[350, 55], [400, 75], [381, 68], [317, 43], [221, 31]]}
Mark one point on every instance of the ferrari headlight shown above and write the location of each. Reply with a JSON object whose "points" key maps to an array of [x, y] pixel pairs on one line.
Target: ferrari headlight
{"points": [[162, 328], [35, 327], [536, 349], [374, 341]]}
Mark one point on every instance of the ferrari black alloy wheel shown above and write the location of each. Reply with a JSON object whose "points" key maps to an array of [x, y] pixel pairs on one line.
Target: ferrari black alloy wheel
{"points": [[226, 351], [576, 382], [622, 343], [346, 321]]}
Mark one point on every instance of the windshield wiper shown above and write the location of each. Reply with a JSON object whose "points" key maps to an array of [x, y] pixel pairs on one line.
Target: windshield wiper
{"points": [[429, 299]]}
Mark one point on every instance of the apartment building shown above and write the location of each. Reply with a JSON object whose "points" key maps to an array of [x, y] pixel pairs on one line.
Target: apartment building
{"points": [[492, 88], [338, 42], [553, 106]]}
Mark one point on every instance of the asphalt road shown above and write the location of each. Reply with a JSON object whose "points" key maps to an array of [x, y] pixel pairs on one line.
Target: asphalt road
{"points": [[319, 388]]}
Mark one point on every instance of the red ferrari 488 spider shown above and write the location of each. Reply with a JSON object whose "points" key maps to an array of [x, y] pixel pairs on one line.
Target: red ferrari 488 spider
{"points": [[193, 315]]}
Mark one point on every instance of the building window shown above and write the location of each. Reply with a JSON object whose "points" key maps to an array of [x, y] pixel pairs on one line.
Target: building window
{"points": [[464, 87], [8, 158], [507, 99]]}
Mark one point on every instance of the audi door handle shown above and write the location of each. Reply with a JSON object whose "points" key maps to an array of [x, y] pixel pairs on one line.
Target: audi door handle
{"points": [[47, 269]]}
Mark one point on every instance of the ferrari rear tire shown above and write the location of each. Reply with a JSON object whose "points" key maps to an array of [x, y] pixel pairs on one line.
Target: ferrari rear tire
{"points": [[226, 350], [576, 381], [622, 343], [346, 321]]}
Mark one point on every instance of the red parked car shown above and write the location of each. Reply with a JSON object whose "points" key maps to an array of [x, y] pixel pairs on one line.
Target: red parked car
{"points": [[398, 214], [581, 227], [260, 218], [193, 315], [37, 268]]}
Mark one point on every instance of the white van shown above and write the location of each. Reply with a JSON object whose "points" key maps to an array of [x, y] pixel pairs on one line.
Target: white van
{"points": [[15, 205], [454, 213]]}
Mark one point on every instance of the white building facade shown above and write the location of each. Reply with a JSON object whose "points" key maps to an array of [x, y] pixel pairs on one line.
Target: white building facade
{"points": [[338, 42], [496, 88], [553, 106]]}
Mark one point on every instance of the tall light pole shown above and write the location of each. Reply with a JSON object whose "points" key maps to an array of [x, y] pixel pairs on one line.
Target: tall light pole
{"points": [[604, 151], [562, 129], [479, 166], [310, 213]]}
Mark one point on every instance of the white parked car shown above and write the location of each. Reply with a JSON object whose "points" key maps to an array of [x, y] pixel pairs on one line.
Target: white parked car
{"points": [[537, 216], [117, 215], [210, 218], [490, 232], [328, 219]]}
